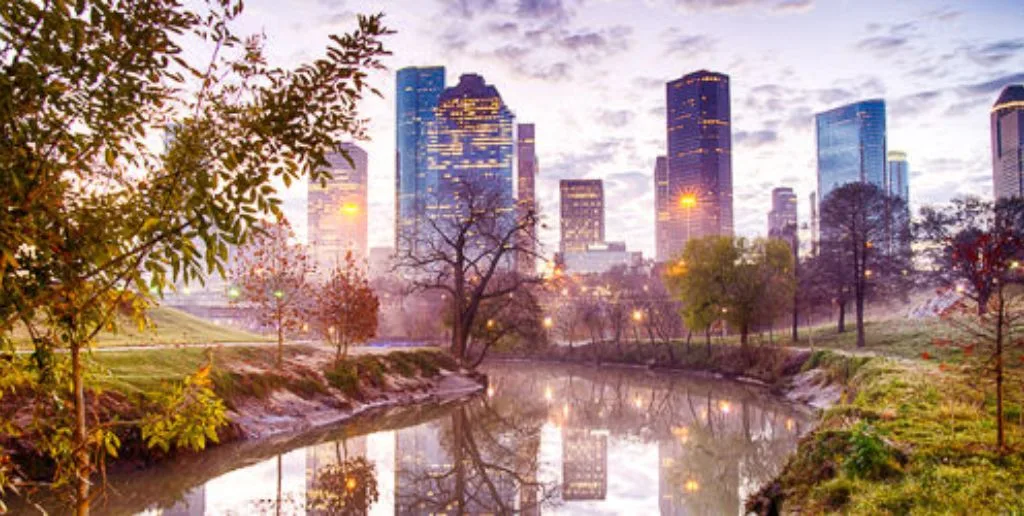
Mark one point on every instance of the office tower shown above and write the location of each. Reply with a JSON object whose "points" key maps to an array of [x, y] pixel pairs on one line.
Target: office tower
{"points": [[661, 208], [898, 174], [526, 154], [851, 146], [336, 211], [782, 219], [898, 187], [814, 223], [382, 262], [699, 159], [582, 214], [584, 464], [471, 141], [417, 93], [1008, 143]]}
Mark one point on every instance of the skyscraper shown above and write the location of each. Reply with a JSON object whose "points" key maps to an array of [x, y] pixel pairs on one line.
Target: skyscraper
{"points": [[1008, 143], [417, 93], [898, 187], [782, 219], [470, 141], [582, 214], [851, 146], [661, 208], [336, 211], [526, 154], [699, 199]]}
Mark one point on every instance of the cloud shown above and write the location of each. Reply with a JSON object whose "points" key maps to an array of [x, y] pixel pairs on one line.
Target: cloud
{"points": [[755, 138], [781, 6], [991, 87], [468, 9], [543, 9], [915, 104], [698, 44], [617, 118], [882, 45], [994, 53]]}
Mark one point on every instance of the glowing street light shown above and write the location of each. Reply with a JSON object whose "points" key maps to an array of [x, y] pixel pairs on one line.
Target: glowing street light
{"points": [[548, 393], [691, 486], [548, 323], [279, 294], [490, 324], [638, 315], [234, 292]]}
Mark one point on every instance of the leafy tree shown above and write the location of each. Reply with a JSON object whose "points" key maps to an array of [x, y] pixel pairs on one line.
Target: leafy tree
{"points": [[469, 255], [745, 283], [346, 307], [977, 245], [515, 320], [96, 221], [349, 487], [272, 277], [857, 240]]}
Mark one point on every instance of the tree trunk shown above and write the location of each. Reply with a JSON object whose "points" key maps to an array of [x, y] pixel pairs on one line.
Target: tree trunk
{"points": [[81, 454], [278, 513], [280, 337], [842, 316], [860, 315], [1000, 436], [707, 340], [689, 333], [744, 332]]}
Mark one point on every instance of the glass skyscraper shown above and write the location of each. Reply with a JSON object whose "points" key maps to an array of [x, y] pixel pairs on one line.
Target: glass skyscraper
{"points": [[582, 214], [897, 184], [417, 93], [851, 146], [661, 207], [336, 210], [526, 157], [699, 196], [1008, 143], [471, 140]]}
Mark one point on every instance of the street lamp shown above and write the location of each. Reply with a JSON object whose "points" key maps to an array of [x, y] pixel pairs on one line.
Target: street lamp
{"points": [[687, 202]]}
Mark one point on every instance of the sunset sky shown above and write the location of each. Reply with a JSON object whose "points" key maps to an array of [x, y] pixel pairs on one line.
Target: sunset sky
{"points": [[590, 74]]}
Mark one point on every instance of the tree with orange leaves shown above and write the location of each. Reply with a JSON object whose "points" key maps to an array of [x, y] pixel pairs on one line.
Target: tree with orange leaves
{"points": [[271, 278], [346, 307]]}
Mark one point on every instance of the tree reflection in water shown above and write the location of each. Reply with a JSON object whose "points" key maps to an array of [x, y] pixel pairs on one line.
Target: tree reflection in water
{"points": [[570, 439]]}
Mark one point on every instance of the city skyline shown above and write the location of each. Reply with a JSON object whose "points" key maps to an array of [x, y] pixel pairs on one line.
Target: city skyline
{"points": [[939, 88]]}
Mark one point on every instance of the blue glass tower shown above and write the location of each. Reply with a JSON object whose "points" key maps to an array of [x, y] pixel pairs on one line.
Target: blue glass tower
{"points": [[417, 95], [1008, 143], [898, 176], [471, 140], [699, 172], [851, 146]]}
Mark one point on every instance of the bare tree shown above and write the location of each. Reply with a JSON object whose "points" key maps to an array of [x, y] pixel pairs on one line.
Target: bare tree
{"points": [[465, 250]]}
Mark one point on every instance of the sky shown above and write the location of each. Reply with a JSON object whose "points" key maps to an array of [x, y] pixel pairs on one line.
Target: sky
{"points": [[591, 75]]}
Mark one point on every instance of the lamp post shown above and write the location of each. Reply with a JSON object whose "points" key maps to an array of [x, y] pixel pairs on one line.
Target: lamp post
{"points": [[687, 202]]}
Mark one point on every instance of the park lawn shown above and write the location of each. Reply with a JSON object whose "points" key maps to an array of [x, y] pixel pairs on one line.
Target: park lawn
{"points": [[915, 438], [170, 326]]}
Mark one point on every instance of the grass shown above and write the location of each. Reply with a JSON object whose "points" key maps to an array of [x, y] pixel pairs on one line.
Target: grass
{"points": [[912, 439], [170, 326]]}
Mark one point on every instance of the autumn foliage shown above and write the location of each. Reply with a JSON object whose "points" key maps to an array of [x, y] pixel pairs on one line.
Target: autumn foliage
{"points": [[346, 307]]}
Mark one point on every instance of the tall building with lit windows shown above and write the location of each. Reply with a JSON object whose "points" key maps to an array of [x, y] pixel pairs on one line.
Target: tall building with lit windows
{"points": [[582, 214], [782, 219], [1008, 143], [526, 162], [699, 196], [471, 140], [418, 90], [661, 207], [851, 146], [897, 175], [336, 210]]}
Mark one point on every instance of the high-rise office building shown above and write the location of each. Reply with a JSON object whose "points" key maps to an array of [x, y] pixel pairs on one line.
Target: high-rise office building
{"points": [[661, 208], [897, 176], [471, 141], [336, 211], [1008, 143], [851, 146], [782, 219], [526, 157], [417, 93], [582, 214], [699, 159]]}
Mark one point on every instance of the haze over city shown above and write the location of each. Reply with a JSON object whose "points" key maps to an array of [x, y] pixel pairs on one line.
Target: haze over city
{"points": [[592, 78]]}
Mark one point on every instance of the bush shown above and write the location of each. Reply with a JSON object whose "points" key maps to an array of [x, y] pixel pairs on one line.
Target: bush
{"points": [[869, 456], [345, 378]]}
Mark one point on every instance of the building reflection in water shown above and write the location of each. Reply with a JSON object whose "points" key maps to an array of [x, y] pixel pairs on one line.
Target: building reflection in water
{"points": [[558, 439]]}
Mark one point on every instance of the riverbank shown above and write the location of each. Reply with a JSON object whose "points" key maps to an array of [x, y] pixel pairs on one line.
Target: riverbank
{"points": [[895, 435], [308, 391]]}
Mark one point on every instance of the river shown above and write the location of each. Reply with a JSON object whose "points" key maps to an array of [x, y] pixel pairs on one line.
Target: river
{"points": [[546, 439]]}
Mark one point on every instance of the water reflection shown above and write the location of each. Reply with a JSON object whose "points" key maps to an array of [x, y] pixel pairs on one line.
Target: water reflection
{"points": [[541, 439]]}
